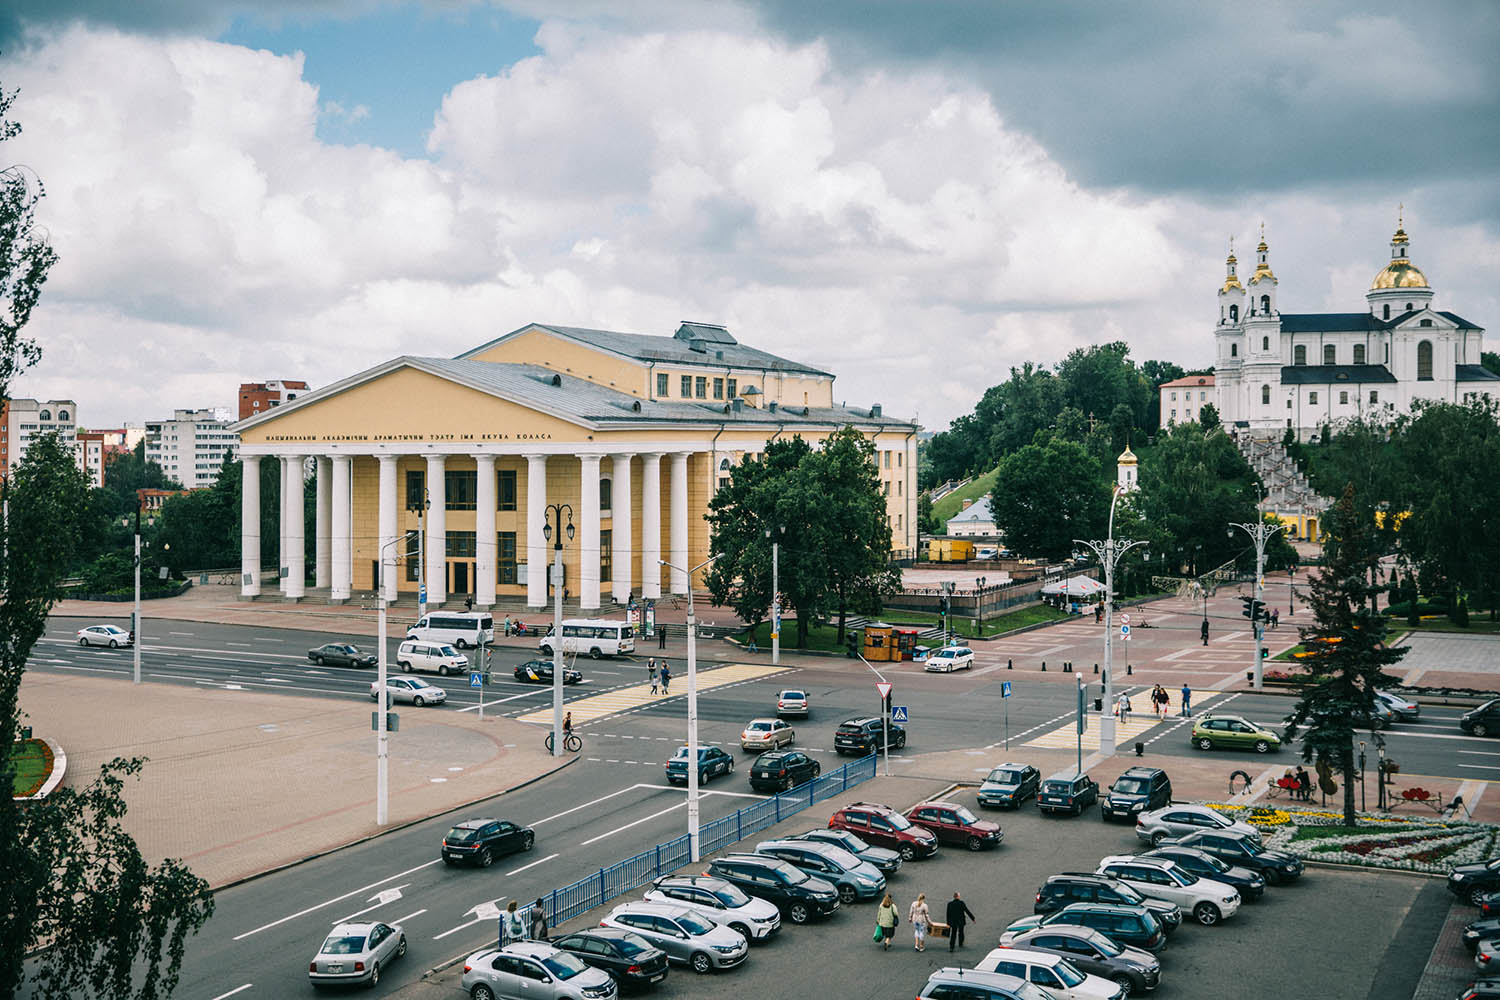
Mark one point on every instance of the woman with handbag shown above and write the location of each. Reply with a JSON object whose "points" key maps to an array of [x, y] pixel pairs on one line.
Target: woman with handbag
{"points": [[885, 922], [921, 920]]}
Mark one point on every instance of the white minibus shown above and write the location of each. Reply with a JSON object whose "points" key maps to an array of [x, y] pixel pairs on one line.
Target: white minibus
{"points": [[461, 628], [595, 636]]}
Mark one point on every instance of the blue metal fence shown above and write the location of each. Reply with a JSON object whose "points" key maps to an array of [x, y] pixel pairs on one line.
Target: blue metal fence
{"points": [[623, 876]]}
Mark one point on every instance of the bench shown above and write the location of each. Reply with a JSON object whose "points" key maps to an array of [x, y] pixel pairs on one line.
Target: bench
{"points": [[1421, 796]]}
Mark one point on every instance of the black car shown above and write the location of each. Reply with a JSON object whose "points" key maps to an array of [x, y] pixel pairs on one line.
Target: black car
{"points": [[886, 860], [1137, 790], [483, 840], [540, 672], [1096, 954], [1275, 867], [631, 959], [1470, 882], [341, 654], [779, 770], [1481, 721], [1250, 885], [794, 892], [1483, 929], [1136, 926], [1009, 785], [1085, 887], [865, 736], [1067, 791]]}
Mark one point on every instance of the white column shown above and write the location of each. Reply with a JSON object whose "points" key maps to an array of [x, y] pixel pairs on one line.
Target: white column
{"points": [[437, 531], [283, 499], [389, 549], [341, 542], [484, 533], [250, 526], [650, 525], [296, 530], [679, 556], [324, 523], [588, 548], [536, 545], [623, 556]]}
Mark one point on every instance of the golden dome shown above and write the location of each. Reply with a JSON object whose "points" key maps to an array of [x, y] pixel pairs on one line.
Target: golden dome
{"points": [[1399, 273], [1263, 271], [1127, 457], [1232, 283]]}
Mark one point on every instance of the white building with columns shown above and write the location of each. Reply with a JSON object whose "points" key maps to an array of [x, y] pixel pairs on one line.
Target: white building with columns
{"points": [[631, 434]]}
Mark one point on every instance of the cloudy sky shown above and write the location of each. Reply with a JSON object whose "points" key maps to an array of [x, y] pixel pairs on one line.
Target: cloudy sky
{"points": [[916, 195]]}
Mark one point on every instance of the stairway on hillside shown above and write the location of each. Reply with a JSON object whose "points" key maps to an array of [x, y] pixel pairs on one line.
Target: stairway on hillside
{"points": [[1286, 485]]}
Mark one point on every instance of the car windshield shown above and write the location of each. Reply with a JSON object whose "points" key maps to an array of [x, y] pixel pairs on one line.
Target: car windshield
{"points": [[851, 842], [1493, 865], [1219, 821], [1128, 892], [840, 857], [1105, 945], [792, 875], [448, 651], [631, 945], [898, 821], [964, 816], [1069, 974], [1132, 786], [792, 696], [342, 944], [730, 895], [461, 834], [1000, 776], [563, 965], [695, 924], [1180, 875], [1030, 991], [1252, 849], [1059, 787], [759, 727]]}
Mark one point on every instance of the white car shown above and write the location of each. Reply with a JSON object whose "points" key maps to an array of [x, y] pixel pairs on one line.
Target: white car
{"points": [[792, 703], [767, 734], [1061, 978], [412, 689], [1179, 821], [949, 659], [104, 635], [355, 953], [1159, 878], [725, 903]]}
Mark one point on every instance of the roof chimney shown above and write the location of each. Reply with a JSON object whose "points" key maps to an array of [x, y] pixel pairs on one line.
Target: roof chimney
{"points": [[967, 504], [875, 411], [736, 404], [771, 406]]}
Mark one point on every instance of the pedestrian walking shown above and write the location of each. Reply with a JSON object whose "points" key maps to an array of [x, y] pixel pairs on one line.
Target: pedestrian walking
{"points": [[885, 922], [538, 921], [666, 678], [958, 914], [651, 673], [1187, 700], [512, 927], [1203, 631], [921, 920], [1163, 702], [1275, 619], [1122, 708]]}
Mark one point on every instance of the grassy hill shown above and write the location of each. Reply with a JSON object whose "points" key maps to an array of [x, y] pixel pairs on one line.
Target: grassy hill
{"points": [[951, 504]]}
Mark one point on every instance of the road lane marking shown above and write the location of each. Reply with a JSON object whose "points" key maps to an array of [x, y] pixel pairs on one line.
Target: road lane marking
{"points": [[627, 826], [1481, 753], [336, 899], [638, 696], [237, 989], [483, 914], [1481, 767], [187, 634], [256, 639], [381, 898], [594, 802], [532, 865], [489, 703], [409, 916]]}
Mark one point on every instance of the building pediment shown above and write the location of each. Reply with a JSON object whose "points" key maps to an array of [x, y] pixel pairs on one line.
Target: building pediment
{"points": [[1422, 319]]}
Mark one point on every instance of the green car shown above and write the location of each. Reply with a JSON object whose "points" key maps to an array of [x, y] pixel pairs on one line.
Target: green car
{"points": [[1233, 732]]}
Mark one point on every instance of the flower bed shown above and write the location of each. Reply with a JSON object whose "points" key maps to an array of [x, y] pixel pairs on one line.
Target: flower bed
{"points": [[33, 763]]}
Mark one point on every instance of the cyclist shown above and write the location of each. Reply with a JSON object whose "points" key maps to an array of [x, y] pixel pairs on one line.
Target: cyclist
{"points": [[568, 725]]}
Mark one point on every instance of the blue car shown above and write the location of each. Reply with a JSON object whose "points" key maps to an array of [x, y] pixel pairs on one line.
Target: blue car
{"points": [[711, 762]]}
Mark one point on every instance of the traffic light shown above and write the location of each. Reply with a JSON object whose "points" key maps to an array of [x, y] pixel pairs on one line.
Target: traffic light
{"points": [[1255, 610], [943, 605]]}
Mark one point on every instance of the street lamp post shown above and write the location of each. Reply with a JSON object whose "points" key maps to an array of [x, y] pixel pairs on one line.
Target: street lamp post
{"points": [[555, 510], [1260, 532], [135, 624], [776, 592], [1109, 552], [692, 672], [382, 723], [421, 507]]}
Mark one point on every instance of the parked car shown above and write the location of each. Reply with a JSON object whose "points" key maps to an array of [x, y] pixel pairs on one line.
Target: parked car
{"points": [[341, 654], [105, 635], [1275, 867], [412, 689], [1481, 721], [634, 962], [767, 734], [1482, 989], [1250, 885], [1233, 733], [1008, 785], [1181, 820], [949, 659], [951, 823], [482, 840], [1473, 881], [888, 862], [792, 702], [1483, 929], [1208, 900], [798, 895], [970, 984], [1059, 977], [782, 769], [711, 761], [854, 879], [1487, 955], [864, 736], [540, 672], [1067, 791], [1406, 709], [1136, 926], [355, 953], [1136, 790], [1133, 969], [687, 937], [1067, 888], [535, 970], [722, 902], [414, 654], [883, 826]]}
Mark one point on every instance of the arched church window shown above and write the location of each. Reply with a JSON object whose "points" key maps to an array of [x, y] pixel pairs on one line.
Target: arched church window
{"points": [[1265, 395], [1265, 304], [1265, 343], [1424, 361], [1234, 314], [1387, 313], [1234, 350]]}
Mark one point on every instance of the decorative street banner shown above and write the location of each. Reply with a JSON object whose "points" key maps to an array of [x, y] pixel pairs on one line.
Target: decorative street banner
{"points": [[650, 619]]}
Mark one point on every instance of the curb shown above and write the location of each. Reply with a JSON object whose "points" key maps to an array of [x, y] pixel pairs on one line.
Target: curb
{"points": [[59, 770]]}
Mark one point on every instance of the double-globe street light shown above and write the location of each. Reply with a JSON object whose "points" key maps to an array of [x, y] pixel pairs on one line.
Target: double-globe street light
{"points": [[136, 636], [1260, 533], [555, 511], [775, 592], [692, 726], [1109, 552], [383, 702]]}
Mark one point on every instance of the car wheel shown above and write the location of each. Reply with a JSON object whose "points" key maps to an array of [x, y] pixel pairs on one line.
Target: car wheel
{"points": [[374, 975], [418, 701], [83, 640], [485, 858], [741, 930], [975, 844], [729, 768], [401, 947], [786, 785], [847, 895], [460, 643], [1273, 877], [908, 852], [817, 770], [1207, 914], [482, 992], [901, 742], [1477, 894], [1125, 983], [1205, 744], [1480, 729], [443, 670], [797, 913], [527, 839], [318, 660], [405, 666], [702, 964], [595, 653], [1261, 746], [1158, 837], [113, 644]]}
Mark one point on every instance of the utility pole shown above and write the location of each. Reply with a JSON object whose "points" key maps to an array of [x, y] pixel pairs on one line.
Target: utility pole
{"points": [[1109, 552], [135, 624], [556, 510], [775, 593], [692, 720]]}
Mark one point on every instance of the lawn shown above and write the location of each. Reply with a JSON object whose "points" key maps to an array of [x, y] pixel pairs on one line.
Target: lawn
{"points": [[1479, 624], [1020, 618], [820, 638], [951, 504], [33, 763]]}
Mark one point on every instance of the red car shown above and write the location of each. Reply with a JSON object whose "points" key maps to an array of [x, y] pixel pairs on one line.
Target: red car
{"points": [[954, 824], [884, 827]]}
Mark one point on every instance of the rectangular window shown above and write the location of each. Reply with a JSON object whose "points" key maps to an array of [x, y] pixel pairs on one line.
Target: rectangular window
{"points": [[687, 386], [1374, 397], [461, 489], [718, 388], [732, 388], [413, 555], [606, 493], [886, 487], [1173, 395], [898, 459], [1359, 354], [723, 482], [415, 483], [606, 555], [661, 383], [1202, 397], [1312, 399], [700, 387], [1174, 415], [1330, 356], [505, 556], [460, 544], [900, 487], [1344, 398], [505, 489], [1299, 354]]}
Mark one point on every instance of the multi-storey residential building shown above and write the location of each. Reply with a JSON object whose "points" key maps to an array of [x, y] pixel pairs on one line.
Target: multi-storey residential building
{"points": [[192, 446], [1182, 400], [258, 397], [26, 418]]}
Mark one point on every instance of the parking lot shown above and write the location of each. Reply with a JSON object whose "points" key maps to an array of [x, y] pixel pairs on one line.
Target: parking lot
{"points": [[1334, 934]]}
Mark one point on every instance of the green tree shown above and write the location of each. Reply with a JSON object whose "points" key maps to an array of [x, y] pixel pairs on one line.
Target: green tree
{"points": [[1046, 495], [126, 472], [1100, 377], [927, 522], [1157, 372], [1194, 485], [855, 530], [1490, 360], [1346, 654], [1208, 417]]}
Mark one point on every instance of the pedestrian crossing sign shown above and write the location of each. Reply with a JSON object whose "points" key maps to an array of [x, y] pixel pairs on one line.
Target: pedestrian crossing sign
{"points": [[898, 713]]}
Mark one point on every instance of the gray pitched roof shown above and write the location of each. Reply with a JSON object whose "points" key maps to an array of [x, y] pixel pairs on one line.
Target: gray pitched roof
{"points": [[715, 347], [1330, 374], [979, 510], [1330, 323], [1463, 324], [1475, 373]]}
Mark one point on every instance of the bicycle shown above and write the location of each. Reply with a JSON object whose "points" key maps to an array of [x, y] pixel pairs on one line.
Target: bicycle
{"points": [[571, 742]]}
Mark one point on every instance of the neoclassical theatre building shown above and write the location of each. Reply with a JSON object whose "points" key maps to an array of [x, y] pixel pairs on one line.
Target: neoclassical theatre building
{"points": [[632, 432]]}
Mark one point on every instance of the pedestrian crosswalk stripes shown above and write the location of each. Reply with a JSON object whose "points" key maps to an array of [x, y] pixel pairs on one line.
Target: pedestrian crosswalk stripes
{"points": [[592, 707], [1141, 721]]}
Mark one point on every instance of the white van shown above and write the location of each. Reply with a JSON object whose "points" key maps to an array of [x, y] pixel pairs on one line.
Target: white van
{"points": [[594, 636], [462, 628], [414, 654]]}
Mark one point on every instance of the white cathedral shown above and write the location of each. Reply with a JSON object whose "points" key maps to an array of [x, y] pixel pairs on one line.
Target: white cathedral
{"points": [[1278, 370]]}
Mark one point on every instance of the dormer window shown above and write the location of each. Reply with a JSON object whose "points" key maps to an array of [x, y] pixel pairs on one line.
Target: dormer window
{"points": [[1425, 322]]}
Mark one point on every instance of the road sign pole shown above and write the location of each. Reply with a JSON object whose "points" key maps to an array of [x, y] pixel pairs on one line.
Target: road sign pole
{"points": [[884, 689], [1007, 725]]}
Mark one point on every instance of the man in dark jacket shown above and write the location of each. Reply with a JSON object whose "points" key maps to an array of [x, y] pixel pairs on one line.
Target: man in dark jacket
{"points": [[958, 914]]}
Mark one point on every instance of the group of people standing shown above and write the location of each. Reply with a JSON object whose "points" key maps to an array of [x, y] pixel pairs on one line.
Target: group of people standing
{"points": [[919, 914], [660, 675], [1161, 703], [515, 927]]}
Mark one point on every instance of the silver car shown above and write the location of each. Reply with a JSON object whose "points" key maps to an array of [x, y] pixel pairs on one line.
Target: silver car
{"points": [[112, 636], [720, 901], [854, 879], [355, 953], [1179, 821], [767, 734], [688, 938], [412, 689], [1405, 709], [536, 971]]}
